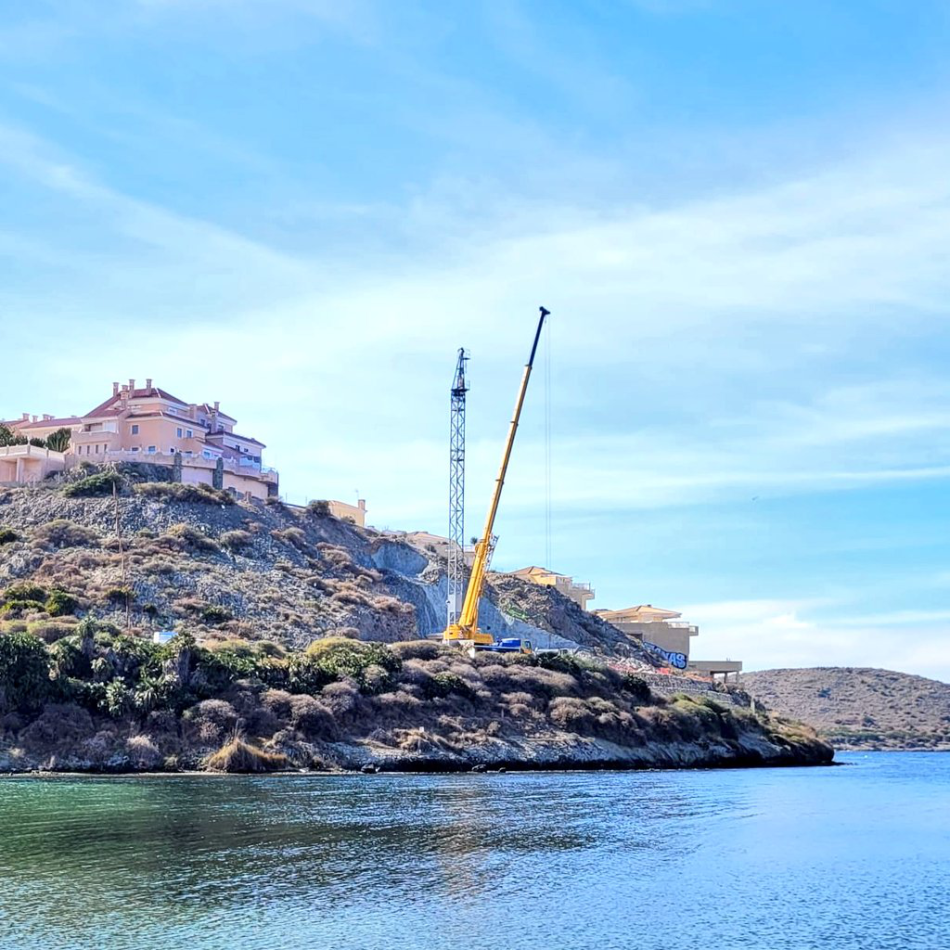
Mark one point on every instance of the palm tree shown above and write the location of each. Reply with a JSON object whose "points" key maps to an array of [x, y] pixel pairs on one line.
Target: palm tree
{"points": [[58, 441]]}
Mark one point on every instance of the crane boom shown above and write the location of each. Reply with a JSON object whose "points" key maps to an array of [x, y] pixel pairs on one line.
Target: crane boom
{"points": [[466, 628]]}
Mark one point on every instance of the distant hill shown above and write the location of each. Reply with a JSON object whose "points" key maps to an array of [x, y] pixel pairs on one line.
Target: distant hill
{"points": [[860, 708]]}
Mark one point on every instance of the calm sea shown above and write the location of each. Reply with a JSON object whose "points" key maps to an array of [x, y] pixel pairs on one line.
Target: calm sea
{"points": [[856, 856]]}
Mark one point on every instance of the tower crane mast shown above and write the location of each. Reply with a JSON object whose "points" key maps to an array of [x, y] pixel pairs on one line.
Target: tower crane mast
{"points": [[465, 630], [456, 561]]}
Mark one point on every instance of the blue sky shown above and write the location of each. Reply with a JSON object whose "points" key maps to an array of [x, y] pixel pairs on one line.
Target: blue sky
{"points": [[737, 212]]}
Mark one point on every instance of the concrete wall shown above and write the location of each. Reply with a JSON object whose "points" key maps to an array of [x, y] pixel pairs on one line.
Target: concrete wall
{"points": [[667, 637], [22, 464]]}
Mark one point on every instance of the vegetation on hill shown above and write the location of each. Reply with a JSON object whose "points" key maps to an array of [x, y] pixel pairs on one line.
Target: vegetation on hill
{"points": [[134, 549], [297, 645], [859, 708], [100, 700]]}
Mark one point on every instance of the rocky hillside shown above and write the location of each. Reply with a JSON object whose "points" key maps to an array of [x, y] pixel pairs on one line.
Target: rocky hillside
{"points": [[858, 708], [297, 645], [158, 555], [98, 700]]}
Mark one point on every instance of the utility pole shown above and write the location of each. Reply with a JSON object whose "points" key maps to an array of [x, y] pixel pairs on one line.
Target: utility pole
{"points": [[456, 559]]}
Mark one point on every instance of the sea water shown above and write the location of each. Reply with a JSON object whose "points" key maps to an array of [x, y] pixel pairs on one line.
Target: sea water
{"points": [[855, 857]]}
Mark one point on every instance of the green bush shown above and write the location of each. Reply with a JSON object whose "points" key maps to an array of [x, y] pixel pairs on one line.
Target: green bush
{"points": [[320, 509], [99, 483], [637, 687], [24, 591], [214, 614], [61, 604], [24, 671], [20, 608]]}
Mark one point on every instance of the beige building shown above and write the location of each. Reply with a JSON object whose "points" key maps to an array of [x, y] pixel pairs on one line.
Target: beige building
{"points": [[148, 424], [28, 464], [666, 633], [580, 593], [355, 513]]}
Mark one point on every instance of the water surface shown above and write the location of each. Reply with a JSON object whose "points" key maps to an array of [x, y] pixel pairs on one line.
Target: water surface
{"points": [[856, 856]]}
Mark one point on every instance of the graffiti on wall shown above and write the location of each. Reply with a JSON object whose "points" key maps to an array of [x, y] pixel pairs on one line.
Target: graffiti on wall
{"points": [[678, 660]]}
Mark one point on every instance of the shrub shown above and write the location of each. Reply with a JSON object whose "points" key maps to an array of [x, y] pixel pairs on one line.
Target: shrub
{"points": [[99, 483], [8, 536], [24, 591], [119, 595], [20, 608], [240, 756], [62, 533], [214, 614], [312, 718], [200, 494], [211, 720], [320, 509], [49, 631], [61, 604], [293, 536], [189, 536], [236, 540], [637, 687], [24, 671], [333, 658]]}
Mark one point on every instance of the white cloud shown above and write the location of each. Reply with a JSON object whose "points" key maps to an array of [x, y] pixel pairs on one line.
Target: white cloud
{"points": [[768, 634]]}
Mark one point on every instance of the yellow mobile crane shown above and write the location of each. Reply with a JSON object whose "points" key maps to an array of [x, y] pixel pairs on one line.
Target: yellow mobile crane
{"points": [[465, 632]]}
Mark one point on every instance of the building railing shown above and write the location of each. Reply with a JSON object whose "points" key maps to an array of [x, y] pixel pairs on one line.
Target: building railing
{"points": [[25, 449]]}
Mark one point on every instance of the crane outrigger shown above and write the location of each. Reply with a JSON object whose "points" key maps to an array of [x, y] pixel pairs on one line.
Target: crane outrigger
{"points": [[465, 632]]}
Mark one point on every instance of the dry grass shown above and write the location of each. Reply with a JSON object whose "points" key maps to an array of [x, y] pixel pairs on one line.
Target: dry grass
{"points": [[238, 755]]}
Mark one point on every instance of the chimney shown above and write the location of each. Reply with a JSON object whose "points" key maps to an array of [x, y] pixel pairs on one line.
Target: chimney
{"points": [[25, 417], [148, 384], [131, 385], [46, 417], [34, 418], [115, 389]]}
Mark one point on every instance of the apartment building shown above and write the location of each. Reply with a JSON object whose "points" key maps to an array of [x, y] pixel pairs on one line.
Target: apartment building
{"points": [[580, 593], [667, 634], [150, 424]]}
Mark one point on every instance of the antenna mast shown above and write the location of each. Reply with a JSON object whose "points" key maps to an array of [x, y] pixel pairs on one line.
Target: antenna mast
{"points": [[456, 566]]}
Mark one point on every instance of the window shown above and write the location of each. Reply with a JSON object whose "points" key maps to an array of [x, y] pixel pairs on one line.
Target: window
{"points": [[172, 450], [135, 429], [151, 450], [135, 448], [97, 450], [178, 432], [191, 433]]}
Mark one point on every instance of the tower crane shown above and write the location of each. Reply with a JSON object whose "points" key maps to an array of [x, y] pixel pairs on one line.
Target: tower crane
{"points": [[456, 565], [465, 631]]}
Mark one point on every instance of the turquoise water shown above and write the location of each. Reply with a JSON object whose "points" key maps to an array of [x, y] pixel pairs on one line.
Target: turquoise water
{"points": [[856, 856]]}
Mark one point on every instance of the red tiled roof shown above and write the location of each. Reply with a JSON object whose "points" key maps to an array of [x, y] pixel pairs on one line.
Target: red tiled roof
{"points": [[243, 438], [42, 423], [106, 408]]}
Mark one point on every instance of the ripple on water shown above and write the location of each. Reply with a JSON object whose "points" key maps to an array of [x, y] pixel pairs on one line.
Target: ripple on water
{"points": [[854, 857]]}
